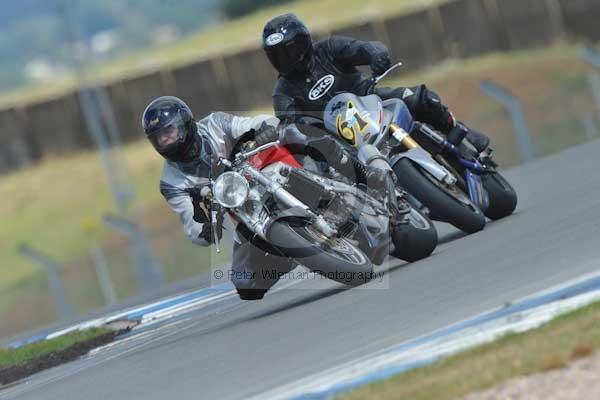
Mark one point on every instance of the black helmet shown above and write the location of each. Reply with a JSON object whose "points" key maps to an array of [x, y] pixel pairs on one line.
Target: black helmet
{"points": [[288, 44], [170, 127]]}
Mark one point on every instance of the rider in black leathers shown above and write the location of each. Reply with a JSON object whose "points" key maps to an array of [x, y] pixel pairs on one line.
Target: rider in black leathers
{"points": [[311, 74]]}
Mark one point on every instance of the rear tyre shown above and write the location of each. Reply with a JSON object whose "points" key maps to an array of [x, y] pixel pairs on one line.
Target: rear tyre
{"points": [[337, 259], [416, 239], [503, 197], [447, 207]]}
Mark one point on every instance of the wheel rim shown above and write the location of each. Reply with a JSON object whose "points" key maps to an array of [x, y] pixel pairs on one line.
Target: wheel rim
{"points": [[453, 191], [340, 248], [417, 220]]}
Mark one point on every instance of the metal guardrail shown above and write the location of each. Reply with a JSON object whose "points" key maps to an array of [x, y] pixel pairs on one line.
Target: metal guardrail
{"points": [[592, 57], [148, 272], [513, 106], [103, 275], [63, 308]]}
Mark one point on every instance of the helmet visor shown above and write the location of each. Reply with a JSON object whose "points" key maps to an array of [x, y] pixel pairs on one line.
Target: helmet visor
{"points": [[168, 138], [287, 54]]}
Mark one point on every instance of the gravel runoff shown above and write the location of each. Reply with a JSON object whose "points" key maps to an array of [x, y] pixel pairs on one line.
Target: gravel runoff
{"points": [[579, 380]]}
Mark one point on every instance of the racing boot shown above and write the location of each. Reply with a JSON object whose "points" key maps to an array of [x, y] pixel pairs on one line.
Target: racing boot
{"points": [[477, 139]]}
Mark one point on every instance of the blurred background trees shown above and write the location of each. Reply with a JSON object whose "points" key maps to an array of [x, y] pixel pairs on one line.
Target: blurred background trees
{"points": [[237, 8], [33, 38]]}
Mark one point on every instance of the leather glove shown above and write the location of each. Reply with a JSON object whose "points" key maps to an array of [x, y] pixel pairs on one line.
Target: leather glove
{"points": [[208, 234], [381, 63], [266, 134]]}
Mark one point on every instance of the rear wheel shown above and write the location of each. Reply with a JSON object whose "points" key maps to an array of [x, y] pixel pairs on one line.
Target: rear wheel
{"points": [[415, 239], [503, 198], [335, 258], [447, 204]]}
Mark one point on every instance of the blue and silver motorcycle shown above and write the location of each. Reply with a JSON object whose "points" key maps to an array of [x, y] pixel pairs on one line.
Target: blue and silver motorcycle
{"points": [[456, 185]]}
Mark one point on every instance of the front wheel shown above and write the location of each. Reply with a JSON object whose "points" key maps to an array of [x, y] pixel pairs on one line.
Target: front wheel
{"points": [[415, 238], [335, 258], [447, 204], [503, 198]]}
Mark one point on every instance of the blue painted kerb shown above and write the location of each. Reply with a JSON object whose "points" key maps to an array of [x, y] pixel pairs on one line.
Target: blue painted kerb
{"points": [[590, 285]]}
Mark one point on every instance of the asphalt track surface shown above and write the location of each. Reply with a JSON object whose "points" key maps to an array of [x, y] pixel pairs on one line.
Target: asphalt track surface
{"points": [[236, 349]]}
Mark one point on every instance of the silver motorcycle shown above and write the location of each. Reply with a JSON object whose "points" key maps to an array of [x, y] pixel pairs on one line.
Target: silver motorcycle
{"points": [[330, 226]]}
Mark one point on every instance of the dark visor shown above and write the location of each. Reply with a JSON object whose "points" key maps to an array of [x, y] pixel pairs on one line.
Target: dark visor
{"points": [[168, 138]]}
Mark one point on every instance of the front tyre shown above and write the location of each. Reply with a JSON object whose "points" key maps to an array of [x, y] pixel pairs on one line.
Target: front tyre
{"points": [[449, 205], [335, 258], [503, 197], [414, 239]]}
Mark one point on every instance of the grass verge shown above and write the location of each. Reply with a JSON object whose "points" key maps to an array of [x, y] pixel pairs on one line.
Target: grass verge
{"points": [[16, 364], [14, 357], [551, 346]]}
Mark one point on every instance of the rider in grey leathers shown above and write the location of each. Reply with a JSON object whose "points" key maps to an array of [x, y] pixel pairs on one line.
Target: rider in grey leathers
{"points": [[191, 150]]}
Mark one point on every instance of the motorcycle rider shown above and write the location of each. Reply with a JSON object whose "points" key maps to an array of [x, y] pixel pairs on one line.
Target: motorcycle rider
{"points": [[310, 74], [191, 150]]}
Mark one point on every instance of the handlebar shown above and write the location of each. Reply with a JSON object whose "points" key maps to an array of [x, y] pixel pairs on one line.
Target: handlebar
{"points": [[248, 154], [241, 156], [375, 79]]}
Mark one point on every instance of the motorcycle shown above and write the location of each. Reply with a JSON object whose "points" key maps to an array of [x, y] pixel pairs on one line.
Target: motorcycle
{"points": [[332, 227], [456, 185]]}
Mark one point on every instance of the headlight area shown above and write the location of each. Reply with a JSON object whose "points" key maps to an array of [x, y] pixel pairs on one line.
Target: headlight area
{"points": [[231, 189]]}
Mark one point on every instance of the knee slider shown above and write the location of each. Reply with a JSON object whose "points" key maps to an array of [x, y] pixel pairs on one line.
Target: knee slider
{"points": [[251, 294]]}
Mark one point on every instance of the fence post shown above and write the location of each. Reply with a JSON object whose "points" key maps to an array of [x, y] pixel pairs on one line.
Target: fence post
{"points": [[148, 272], [592, 57], [594, 81], [556, 18], [97, 110], [51, 267], [589, 126], [103, 275], [513, 106]]}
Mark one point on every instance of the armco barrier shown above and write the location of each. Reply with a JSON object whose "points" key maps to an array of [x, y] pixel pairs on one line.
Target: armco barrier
{"points": [[581, 18], [248, 83], [415, 39], [365, 31], [57, 126], [526, 23], [204, 85], [127, 121], [481, 17], [238, 82], [140, 91], [18, 147]]}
